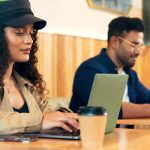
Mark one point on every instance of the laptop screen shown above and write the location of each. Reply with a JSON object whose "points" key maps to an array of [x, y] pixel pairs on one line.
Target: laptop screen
{"points": [[107, 91]]}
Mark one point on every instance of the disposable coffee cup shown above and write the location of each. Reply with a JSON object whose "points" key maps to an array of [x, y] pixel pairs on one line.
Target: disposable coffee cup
{"points": [[92, 121]]}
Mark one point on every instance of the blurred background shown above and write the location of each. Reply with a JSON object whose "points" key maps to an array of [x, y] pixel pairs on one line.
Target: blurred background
{"points": [[77, 30]]}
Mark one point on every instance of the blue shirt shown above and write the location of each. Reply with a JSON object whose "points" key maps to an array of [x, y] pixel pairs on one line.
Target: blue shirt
{"points": [[102, 63]]}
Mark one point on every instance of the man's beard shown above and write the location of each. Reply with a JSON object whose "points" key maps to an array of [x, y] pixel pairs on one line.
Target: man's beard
{"points": [[125, 62]]}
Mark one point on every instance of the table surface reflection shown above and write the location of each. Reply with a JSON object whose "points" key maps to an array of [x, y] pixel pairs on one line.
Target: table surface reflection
{"points": [[120, 139]]}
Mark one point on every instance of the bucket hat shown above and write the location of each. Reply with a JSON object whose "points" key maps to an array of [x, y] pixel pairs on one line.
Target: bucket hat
{"points": [[17, 13]]}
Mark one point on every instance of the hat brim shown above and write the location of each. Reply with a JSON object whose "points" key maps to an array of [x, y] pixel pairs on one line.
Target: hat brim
{"points": [[25, 20]]}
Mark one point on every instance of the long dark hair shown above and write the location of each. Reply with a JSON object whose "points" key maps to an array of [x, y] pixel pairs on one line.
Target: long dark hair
{"points": [[27, 70]]}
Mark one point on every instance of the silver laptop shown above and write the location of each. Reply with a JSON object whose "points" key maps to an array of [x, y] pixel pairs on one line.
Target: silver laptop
{"points": [[108, 91]]}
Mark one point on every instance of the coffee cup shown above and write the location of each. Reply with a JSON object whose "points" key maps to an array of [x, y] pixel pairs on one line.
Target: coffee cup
{"points": [[92, 121]]}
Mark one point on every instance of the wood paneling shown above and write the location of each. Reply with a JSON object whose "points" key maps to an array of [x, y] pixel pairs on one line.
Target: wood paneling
{"points": [[60, 55], [142, 67]]}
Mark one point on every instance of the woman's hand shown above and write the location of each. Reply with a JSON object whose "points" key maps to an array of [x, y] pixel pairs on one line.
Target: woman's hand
{"points": [[60, 119]]}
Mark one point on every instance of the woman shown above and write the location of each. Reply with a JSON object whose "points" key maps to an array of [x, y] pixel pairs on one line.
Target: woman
{"points": [[23, 103]]}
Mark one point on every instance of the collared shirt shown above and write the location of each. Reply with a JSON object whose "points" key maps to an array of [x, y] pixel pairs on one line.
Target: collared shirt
{"points": [[102, 63]]}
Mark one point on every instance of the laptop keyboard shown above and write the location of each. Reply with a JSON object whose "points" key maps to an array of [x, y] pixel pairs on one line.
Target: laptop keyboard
{"points": [[57, 133], [60, 131]]}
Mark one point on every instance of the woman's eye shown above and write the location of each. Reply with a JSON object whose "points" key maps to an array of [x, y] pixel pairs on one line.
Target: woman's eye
{"points": [[19, 33]]}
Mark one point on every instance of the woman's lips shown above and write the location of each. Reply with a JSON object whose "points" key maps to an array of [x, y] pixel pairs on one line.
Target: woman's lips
{"points": [[26, 51]]}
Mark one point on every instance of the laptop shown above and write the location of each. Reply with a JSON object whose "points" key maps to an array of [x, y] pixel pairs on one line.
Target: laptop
{"points": [[107, 91], [59, 133]]}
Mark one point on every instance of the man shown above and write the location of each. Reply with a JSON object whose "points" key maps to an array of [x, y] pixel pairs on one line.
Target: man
{"points": [[125, 44]]}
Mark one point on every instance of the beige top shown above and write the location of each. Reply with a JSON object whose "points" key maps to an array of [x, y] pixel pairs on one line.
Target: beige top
{"points": [[14, 122]]}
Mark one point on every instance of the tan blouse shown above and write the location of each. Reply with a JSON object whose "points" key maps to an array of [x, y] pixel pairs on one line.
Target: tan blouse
{"points": [[14, 122]]}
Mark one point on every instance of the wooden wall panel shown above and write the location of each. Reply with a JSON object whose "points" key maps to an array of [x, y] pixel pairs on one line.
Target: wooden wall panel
{"points": [[71, 51], [142, 67], [60, 55], [47, 62]]}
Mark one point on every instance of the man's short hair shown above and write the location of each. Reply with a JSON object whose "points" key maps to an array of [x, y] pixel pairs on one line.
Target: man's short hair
{"points": [[121, 25]]}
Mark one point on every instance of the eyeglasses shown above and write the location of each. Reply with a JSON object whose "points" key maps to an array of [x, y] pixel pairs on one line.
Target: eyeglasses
{"points": [[140, 46]]}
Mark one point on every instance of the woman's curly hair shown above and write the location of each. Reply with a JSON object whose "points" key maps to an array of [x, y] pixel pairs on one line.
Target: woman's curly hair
{"points": [[27, 70]]}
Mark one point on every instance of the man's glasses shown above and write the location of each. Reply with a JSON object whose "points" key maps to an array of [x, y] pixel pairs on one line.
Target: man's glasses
{"points": [[140, 46]]}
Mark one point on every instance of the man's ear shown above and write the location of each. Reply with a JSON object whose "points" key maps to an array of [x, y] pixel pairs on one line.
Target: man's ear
{"points": [[114, 42]]}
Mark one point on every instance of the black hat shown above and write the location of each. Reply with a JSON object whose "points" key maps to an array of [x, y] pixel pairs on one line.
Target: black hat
{"points": [[17, 13]]}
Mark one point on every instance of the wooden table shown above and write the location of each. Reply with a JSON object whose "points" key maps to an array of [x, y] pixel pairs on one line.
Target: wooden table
{"points": [[120, 139], [143, 121]]}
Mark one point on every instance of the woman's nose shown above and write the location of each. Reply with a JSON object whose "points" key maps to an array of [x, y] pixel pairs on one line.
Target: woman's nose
{"points": [[28, 39]]}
